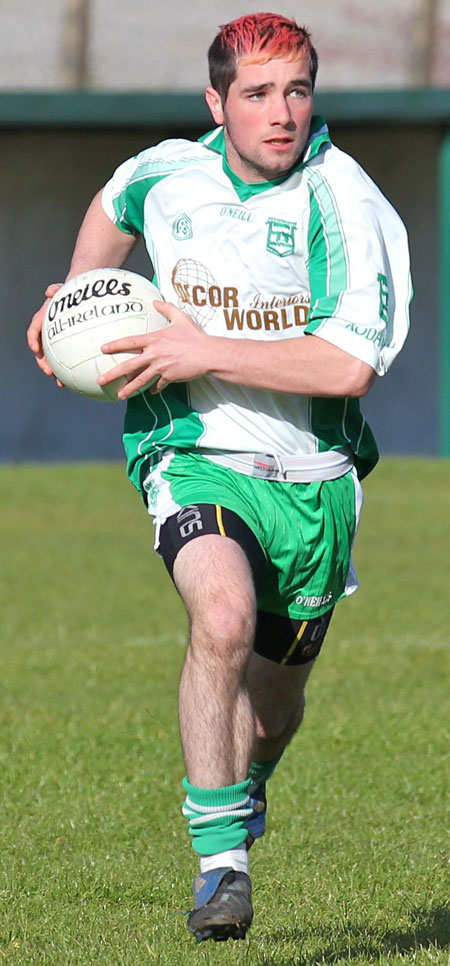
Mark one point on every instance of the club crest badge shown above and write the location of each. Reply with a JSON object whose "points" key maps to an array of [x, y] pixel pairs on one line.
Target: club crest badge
{"points": [[280, 237], [182, 227]]}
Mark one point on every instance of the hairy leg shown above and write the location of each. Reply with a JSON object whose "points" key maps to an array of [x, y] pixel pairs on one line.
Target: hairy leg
{"points": [[278, 701], [213, 577]]}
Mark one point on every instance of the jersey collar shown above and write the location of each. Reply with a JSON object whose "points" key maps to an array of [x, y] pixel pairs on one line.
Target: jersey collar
{"points": [[318, 139]]}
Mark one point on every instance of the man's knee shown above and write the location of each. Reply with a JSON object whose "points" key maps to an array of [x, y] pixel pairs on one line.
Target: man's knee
{"points": [[222, 632], [214, 580], [280, 722]]}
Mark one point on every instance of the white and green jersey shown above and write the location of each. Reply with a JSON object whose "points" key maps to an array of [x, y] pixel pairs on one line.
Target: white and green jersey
{"points": [[320, 251]]}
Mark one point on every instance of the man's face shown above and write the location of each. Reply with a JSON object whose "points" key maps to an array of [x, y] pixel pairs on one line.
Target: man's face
{"points": [[266, 117]]}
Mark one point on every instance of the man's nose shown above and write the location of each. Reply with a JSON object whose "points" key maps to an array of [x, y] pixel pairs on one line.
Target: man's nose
{"points": [[280, 111]]}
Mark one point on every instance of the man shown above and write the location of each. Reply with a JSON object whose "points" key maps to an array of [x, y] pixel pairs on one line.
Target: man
{"points": [[287, 283]]}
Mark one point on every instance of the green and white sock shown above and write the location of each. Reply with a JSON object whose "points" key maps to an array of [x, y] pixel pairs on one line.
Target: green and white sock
{"points": [[236, 859], [217, 816]]}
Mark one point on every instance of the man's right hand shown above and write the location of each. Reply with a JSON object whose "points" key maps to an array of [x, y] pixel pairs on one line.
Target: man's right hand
{"points": [[34, 337]]}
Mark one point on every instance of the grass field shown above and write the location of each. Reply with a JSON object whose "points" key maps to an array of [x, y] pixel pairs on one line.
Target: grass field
{"points": [[96, 866]]}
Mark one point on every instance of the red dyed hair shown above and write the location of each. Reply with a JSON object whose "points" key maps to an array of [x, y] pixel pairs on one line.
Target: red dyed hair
{"points": [[258, 37]]}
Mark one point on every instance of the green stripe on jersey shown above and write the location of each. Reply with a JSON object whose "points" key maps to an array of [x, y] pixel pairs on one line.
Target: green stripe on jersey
{"points": [[129, 204], [328, 266], [335, 422], [153, 422]]}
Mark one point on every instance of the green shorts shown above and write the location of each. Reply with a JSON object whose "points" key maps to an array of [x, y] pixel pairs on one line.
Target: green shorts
{"points": [[306, 530]]}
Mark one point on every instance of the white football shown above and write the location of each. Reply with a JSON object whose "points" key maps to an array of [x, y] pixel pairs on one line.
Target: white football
{"points": [[89, 310]]}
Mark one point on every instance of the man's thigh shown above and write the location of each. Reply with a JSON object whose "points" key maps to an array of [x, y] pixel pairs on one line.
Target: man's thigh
{"points": [[197, 521], [206, 566], [214, 573], [214, 579], [296, 540]]}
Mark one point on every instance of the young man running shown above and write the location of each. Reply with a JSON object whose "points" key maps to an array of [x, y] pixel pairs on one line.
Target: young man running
{"points": [[286, 279]]}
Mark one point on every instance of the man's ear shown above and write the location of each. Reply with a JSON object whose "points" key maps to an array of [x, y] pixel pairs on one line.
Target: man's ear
{"points": [[214, 102]]}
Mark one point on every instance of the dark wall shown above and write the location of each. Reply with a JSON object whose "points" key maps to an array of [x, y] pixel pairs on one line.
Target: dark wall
{"points": [[47, 179], [402, 408]]}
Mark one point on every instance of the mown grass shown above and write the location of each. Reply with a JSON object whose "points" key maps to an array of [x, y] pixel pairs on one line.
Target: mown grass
{"points": [[95, 865]]}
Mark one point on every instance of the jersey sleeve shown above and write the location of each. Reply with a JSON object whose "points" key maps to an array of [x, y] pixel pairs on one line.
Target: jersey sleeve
{"points": [[123, 199], [358, 268]]}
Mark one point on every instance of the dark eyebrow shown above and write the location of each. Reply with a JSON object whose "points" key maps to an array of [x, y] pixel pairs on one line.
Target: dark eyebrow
{"points": [[301, 82], [255, 88]]}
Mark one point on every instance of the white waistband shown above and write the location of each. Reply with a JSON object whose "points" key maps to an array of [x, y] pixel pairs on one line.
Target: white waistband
{"points": [[288, 469]]}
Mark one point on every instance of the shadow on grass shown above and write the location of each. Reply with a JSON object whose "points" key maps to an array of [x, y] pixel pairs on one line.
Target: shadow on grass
{"points": [[428, 928]]}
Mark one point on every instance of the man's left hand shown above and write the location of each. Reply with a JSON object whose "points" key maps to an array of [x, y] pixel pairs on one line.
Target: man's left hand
{"points": [[177, 353]]}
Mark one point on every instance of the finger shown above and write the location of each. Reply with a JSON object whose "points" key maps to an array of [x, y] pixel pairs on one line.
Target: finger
{"points": [[127, 343], [43, 364], [174, 314], [35, 344], [137, 378], [34, 330], [131, 368], [162, 306], [52, 289], [34, 340], [37, 321], [138, 384], [158, 386], [170, 311]]}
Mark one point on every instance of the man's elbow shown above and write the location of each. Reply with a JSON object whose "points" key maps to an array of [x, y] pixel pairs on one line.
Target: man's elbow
{"points": [[360, 380]]}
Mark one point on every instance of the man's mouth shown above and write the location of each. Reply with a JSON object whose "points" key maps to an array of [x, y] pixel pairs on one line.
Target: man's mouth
{"points": [[279, 142]]}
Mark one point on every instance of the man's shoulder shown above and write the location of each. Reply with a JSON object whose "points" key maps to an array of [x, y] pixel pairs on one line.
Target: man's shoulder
{"points": [[174, 151], [346, 178], [334, 162]]}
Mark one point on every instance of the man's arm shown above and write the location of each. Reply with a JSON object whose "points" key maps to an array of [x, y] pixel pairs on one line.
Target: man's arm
{"points": [[307, 365], [99, 245]]}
